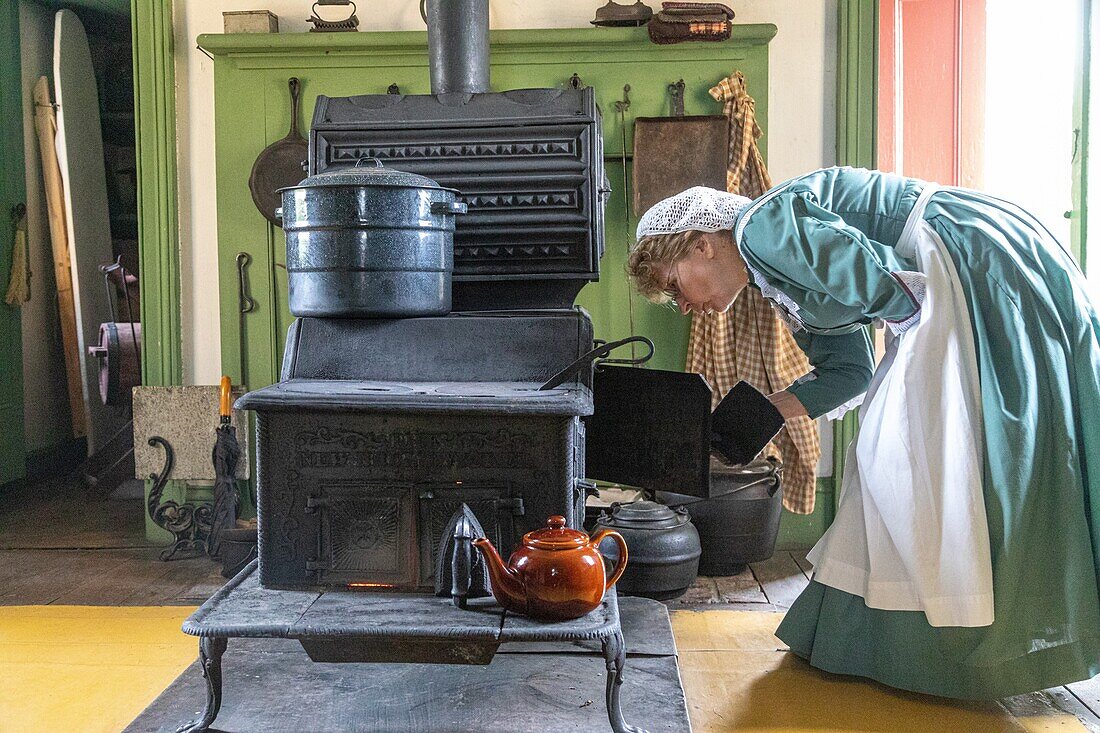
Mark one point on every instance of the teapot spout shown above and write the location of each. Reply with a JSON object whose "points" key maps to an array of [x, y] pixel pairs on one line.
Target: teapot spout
{"points": [[507, 584]]}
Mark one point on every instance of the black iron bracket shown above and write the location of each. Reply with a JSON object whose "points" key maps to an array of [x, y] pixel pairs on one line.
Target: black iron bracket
{"points": [[189, 523]]}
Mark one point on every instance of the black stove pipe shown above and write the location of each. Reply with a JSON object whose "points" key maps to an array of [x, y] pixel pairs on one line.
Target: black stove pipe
{"points": [[458, 45]]}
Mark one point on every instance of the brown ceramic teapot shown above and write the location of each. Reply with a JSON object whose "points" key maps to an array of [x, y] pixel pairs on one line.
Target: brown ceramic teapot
{"points": [[555, 575]]}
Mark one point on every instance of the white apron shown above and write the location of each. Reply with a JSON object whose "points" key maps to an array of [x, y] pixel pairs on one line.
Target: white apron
{"points": [[911, 532]]}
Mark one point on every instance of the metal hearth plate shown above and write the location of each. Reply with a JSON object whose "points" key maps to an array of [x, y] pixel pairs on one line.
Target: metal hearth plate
{"points": [[399, 629], [244, 608], [366, 387]]}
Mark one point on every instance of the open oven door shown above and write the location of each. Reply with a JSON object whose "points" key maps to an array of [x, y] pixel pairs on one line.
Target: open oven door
{"points": [[650, 429]]}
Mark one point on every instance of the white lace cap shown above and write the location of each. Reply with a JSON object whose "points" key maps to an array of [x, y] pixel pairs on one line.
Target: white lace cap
{"points": [[699, 207]]}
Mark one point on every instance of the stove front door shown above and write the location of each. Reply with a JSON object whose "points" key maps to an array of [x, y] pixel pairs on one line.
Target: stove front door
{"points": [[369, 530], [365, 531], [651, 429]]}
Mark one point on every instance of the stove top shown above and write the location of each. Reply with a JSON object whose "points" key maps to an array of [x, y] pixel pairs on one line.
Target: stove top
{"points": [[516, 398]]}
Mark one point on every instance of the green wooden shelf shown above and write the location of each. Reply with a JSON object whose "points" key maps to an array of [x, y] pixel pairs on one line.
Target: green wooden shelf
{"points": [[556, 41]]}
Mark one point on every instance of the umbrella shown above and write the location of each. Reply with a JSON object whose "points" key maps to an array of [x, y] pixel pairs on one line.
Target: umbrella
{"points": [[225, 456]]}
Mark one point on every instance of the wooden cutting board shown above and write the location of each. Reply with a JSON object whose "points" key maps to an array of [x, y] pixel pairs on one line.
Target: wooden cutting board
{"points": [[672, 154]]}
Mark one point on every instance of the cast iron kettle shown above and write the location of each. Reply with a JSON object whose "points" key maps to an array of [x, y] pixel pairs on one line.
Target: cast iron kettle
{"points": [[369, 241], [664, 548], [556, 574]]}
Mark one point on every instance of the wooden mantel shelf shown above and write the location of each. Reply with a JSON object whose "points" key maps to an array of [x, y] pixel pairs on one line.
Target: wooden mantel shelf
{"points": [[561, 42]]}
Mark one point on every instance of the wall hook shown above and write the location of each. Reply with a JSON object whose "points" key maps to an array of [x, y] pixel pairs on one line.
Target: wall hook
{"points": [[623, 104]]}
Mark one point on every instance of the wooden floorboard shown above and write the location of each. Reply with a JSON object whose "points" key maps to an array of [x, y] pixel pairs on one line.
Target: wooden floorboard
{"points": [[1088, 692], [781, 578], [803, 564], [48, 575], [79, 587], [741, 588], [64, 514]]}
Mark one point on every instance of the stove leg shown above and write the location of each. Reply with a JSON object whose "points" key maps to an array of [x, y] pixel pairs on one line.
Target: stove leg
{"points": [[211, 649], [614, 653]]}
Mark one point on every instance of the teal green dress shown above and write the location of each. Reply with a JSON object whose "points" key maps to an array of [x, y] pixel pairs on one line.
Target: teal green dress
{"points": [[823, 246]]}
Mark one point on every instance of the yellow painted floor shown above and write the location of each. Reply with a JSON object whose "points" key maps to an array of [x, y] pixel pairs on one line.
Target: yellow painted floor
{"points": [[86, 669], [738, 678], [90, 669]]}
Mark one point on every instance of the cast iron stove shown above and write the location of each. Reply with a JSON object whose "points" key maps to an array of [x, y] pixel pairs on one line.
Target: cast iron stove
{"points": [[381, 429]]}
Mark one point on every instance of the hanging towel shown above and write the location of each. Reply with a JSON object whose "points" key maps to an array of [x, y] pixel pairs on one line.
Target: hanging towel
{"points": [[749, 342], [19, 284]]}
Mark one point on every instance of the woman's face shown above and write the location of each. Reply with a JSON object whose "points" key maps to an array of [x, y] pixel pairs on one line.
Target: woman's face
{"points": [[709, 277]]}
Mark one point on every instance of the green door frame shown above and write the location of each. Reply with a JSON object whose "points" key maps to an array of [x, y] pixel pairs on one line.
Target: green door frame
{"points": [[12, 192], [158, 216], [1078, 215], [856, 140]]}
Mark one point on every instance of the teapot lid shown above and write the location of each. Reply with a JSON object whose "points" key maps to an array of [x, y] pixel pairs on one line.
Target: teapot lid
{"points": [[556, 536], [643, 515]]}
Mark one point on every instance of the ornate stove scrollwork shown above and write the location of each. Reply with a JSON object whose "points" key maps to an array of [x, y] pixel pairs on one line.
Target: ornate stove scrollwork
{"points": [[189, 523]]}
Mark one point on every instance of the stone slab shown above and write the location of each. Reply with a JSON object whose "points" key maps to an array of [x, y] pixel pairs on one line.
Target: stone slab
{"points": [[187, 417], [272, 686]]}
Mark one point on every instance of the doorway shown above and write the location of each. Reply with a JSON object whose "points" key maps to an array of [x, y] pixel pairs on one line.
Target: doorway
{"points": [[981, 95], [76, 330]]}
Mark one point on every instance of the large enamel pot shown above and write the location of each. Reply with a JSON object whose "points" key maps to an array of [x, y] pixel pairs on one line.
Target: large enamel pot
{"points": [[369, 241]]}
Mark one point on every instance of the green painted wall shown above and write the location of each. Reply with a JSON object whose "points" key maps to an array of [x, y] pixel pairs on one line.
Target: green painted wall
{"points": [[12, 191], [251, 111]]}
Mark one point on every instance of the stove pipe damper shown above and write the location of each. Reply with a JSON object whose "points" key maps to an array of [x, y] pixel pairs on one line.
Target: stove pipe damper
{"points": [[458, 45]]}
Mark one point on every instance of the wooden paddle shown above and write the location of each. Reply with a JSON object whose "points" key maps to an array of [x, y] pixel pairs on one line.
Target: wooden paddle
{"points": [[279, 164]]}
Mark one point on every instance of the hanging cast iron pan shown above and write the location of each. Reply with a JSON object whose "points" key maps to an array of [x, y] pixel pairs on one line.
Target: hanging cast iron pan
{"points": [[279, 165], [672, 154]]}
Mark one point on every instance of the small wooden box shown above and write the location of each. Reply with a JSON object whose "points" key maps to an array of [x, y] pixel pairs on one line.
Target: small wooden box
{"points": [[251, 21]]}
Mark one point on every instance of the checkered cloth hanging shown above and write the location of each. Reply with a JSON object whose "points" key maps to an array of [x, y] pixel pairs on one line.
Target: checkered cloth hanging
{"points": [[749, 342]]}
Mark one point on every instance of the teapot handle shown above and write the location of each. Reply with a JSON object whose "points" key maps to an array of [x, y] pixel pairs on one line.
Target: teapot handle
{"points": [[619, 566]]}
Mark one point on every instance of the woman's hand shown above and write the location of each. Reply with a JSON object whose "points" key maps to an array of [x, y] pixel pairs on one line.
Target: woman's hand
{"points": [[788, 405]]}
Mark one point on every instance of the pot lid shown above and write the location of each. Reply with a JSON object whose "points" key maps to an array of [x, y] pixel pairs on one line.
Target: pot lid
{"points": [[556, 536], [643, 515], [368, 172]]}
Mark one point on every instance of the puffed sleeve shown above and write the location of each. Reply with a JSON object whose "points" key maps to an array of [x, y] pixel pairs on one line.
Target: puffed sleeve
{"points": [[833, 271], [842, 369]]}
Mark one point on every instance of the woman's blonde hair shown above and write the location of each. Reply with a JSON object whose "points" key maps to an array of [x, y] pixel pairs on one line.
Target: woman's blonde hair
{"points": [[649, 260]]}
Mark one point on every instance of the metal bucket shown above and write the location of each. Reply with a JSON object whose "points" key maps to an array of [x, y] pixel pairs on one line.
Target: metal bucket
{"points": [[369, 242]]}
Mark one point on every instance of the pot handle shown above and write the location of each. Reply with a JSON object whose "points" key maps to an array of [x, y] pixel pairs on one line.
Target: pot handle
{"points": [[621, 565], [448, 207]]}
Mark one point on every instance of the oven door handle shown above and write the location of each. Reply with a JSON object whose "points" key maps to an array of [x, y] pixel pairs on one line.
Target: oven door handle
{"points": [[313, 503]]}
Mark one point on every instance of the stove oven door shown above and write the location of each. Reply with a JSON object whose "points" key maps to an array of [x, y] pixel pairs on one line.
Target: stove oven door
{"points": [[650, 429], [365, 535], [493, 506]]}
